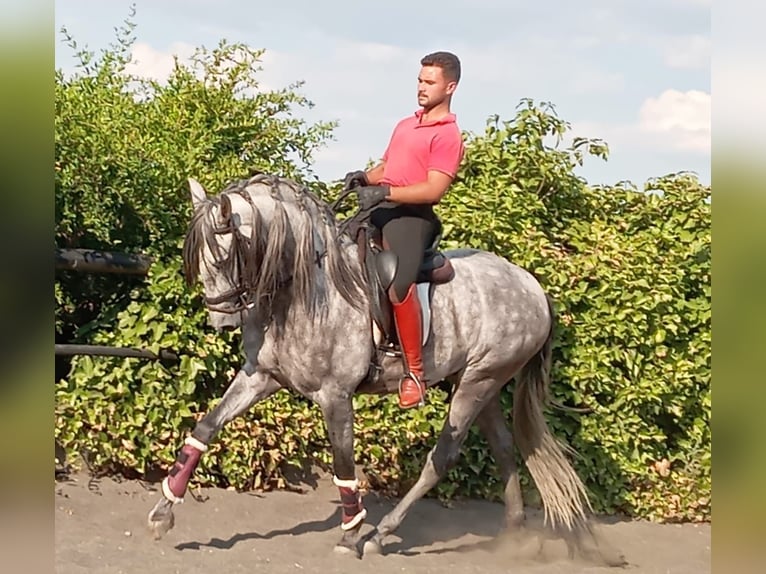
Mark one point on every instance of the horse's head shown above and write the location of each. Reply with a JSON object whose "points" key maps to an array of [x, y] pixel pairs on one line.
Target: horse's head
{"points": [[259, 246], [211, 253]]}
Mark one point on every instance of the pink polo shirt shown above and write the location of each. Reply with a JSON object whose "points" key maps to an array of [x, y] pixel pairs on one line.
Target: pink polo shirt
{"points": [[417, 147]]}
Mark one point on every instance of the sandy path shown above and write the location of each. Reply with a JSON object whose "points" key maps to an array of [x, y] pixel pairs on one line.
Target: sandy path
{"points": [[101, 529]]}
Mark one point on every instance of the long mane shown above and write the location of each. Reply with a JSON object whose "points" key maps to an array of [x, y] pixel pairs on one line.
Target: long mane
{"points": [[296, 235]]}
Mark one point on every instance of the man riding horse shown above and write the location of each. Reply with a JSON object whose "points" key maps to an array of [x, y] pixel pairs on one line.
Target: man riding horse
{"points": [[416, 170]]}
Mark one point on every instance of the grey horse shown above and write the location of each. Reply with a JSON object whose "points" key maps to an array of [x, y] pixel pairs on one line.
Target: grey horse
{"points": [[273, 259]]}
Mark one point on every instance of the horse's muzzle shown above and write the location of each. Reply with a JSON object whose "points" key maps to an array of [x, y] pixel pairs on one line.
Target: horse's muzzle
{"points": [[224, 321]]}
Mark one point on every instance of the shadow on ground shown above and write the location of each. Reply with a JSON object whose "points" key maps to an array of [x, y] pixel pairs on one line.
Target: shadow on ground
{"points": [[470, 527]]}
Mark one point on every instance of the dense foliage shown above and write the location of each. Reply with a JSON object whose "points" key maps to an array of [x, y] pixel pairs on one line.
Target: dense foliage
{"points": [[630, 272], [125, 146], [629, 269]]}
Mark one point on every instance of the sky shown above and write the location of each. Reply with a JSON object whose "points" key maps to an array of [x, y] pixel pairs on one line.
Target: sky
{"points": [[635, 74]]}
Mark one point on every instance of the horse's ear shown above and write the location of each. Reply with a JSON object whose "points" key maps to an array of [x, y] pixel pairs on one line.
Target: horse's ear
{"points": [[225, 212], [198, 193]]}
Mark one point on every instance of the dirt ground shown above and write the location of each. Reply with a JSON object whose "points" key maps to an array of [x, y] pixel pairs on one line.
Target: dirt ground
{"points": [[100, 528]]}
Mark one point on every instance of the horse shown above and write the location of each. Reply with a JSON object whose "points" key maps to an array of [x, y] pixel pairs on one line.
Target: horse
{"points": [[275, 261]]}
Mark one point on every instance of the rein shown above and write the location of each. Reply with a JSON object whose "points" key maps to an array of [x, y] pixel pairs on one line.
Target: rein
{"points": [[357, 219]]}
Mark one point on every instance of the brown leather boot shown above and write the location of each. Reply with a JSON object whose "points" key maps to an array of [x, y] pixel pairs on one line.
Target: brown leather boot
{"points": [[412, 388]]}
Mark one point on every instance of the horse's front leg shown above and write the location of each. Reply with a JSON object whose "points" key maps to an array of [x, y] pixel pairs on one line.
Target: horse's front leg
{"points": [[244, 391], [339, 419]]}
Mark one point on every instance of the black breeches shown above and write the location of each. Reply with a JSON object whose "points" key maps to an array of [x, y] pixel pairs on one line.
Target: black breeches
{"points": [[407, 233]]}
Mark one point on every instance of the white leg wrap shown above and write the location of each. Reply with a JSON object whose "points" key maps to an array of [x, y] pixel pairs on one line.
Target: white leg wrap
{"points": [[352, 484], [168, 494], [200, 446], [357, 519]]}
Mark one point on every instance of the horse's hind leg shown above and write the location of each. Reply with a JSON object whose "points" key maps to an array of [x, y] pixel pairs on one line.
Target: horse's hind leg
{"points": [[464, 407], [244, 391], [493, 426]]}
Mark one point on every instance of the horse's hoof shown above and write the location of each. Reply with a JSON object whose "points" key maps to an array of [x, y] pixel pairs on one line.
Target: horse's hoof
{"points": [[372, 546], [161, 519], [159, 528]]}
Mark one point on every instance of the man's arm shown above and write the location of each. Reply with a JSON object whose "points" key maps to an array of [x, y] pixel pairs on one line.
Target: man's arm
{"points": [[429, 191], [375, 174], [446, 155]]}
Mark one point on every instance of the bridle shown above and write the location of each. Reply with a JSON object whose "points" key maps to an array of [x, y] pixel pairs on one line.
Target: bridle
{"points": [[239, 294], [239, 298]]}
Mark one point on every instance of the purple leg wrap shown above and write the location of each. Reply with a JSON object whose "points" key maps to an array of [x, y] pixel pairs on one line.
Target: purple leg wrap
{"points": [[354, 512], [352, 503], [180, 473]]}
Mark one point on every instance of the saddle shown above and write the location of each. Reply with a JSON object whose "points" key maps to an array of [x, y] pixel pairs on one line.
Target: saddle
{"points": [[381, 267]]}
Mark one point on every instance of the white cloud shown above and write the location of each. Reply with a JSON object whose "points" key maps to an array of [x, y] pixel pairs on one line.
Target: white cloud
{"points": [[369, 86], [673, 121], [681, 118], [620, 137], [364, 85], [376, 52], [700, 3], [348, 81], [690, 52], [341, 70], [147, 62], [597, 82]]}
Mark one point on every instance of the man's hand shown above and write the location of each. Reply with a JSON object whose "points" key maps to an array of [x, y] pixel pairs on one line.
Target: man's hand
{"points": [[355, 179], [371, 195]]}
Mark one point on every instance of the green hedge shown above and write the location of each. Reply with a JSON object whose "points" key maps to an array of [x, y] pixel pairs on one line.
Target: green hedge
{"points": [[629, 270], [124, 147]]}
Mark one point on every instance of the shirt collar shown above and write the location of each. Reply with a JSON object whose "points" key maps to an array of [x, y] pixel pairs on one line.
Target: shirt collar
{"points": [[448, 119]]}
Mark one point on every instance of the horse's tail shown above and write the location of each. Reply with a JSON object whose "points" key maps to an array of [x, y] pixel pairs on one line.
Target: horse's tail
{"points": [[563, 494]]}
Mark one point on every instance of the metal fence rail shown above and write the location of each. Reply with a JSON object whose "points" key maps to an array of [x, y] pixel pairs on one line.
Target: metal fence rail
{"points": [[106, 351], [95, 261]]}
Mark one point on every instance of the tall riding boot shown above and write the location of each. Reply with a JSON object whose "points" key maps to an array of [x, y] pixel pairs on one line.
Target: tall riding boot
{"points": [[412, 388]]}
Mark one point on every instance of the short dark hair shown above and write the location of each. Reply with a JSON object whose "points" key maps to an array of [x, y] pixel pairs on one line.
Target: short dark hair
{"points": [[447, 61]]}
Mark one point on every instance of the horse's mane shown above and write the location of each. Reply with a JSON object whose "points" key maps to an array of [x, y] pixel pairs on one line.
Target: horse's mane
{"points": [[285, 249]]}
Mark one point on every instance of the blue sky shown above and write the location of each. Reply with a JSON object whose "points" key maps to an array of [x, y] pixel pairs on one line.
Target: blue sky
{"points": [[636, 74]]}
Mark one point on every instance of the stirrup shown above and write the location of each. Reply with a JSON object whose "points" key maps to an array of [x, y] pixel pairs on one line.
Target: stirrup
{"points": [[420, 385]]}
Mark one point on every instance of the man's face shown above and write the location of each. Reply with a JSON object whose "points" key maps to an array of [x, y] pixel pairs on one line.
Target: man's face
{"points": [[433, 87]]}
